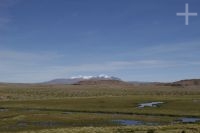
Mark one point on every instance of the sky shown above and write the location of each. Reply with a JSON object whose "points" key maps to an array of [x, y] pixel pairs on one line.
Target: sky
{"points": [[135, 40]]}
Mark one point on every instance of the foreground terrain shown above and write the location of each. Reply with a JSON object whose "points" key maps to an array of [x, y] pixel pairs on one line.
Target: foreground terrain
{"points": [[98, 108]]}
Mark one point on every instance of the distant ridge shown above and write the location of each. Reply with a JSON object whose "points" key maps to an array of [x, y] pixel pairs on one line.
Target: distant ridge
{"points": [[188, 82], [62, 81], [94, 80], [78, 79]]}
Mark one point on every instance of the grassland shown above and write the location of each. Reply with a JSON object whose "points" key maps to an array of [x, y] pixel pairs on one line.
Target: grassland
{"points": [[128, 129], [92, 108]]}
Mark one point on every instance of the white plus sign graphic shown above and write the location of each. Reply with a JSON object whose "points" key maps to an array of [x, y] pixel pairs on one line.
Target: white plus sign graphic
{"points": [[187, 14]]}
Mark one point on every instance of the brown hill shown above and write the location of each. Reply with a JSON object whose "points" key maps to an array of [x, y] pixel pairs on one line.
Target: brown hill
{"points": [[189, 82], [101, 82]]}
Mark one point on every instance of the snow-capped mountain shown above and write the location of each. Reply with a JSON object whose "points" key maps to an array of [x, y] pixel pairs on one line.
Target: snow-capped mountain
{"points": [[79, 78], [101, 76]]}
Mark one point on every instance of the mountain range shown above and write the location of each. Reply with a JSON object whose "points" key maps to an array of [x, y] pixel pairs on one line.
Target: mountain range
{"points": [[110, 80], [77, 79], [104, 79]]}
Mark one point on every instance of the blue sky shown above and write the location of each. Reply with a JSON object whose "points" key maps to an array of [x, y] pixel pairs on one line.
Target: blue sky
{"points": [[136, 40]]}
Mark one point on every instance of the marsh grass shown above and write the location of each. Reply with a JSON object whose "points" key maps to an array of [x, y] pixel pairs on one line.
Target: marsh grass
{"points": [[92, 108], [129, 129]]}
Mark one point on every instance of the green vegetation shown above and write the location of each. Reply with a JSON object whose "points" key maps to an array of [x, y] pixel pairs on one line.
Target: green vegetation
{"points": [[128, 129], [93, 108]]}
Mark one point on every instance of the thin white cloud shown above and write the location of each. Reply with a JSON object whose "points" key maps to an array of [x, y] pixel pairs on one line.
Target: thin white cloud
{"points": [[112, 66], [175, 47], [180, 48], [27, 56], [13, 62]]}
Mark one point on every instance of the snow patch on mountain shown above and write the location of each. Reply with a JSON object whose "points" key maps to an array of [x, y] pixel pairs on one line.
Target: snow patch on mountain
{"points": [[79, 78], [103, 76]]}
